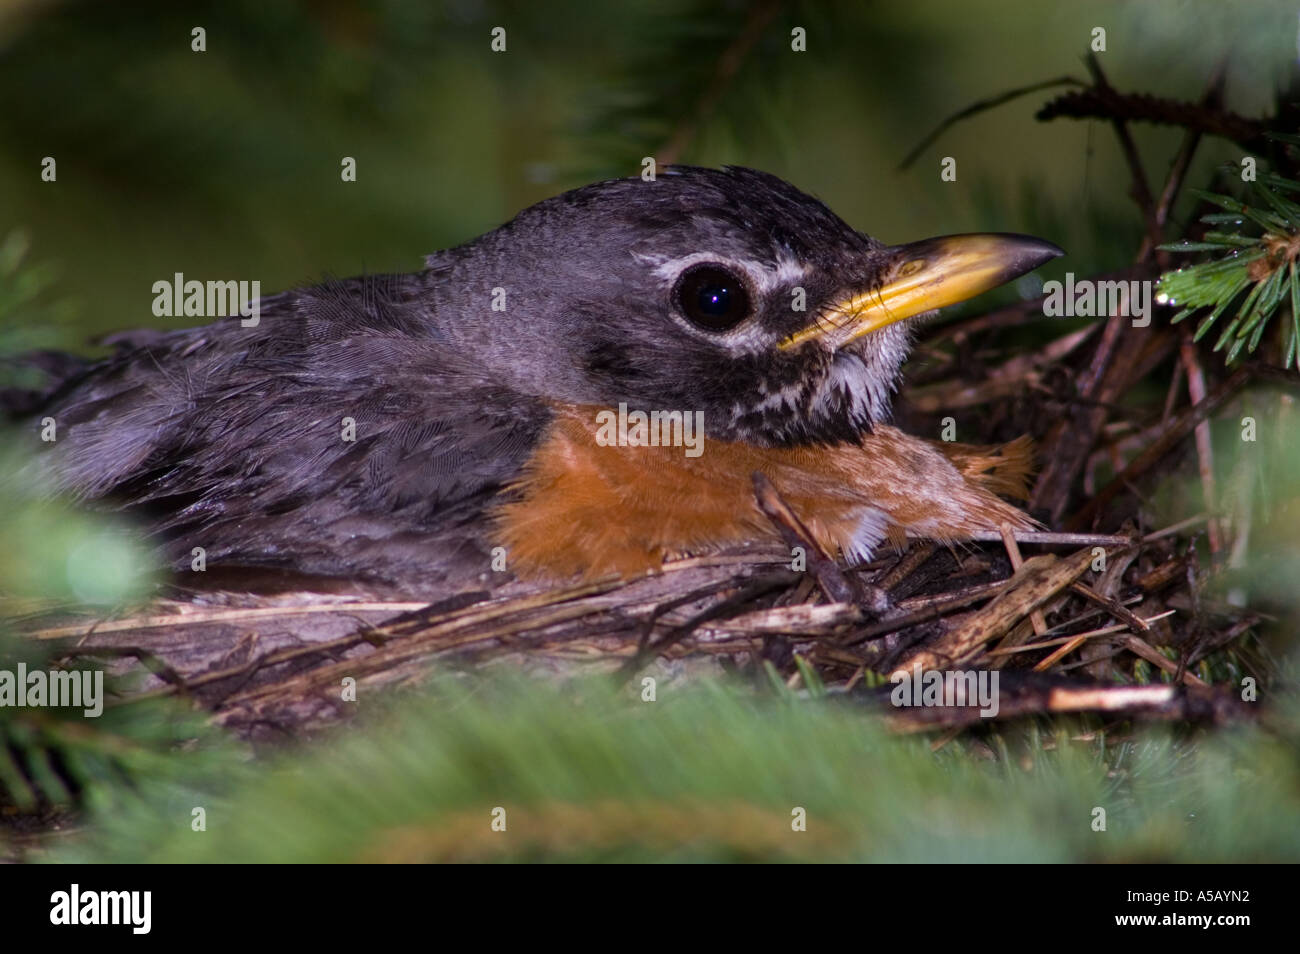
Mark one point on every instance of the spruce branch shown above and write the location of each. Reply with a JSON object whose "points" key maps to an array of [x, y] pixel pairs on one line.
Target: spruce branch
{"points": [[1251, 272]]}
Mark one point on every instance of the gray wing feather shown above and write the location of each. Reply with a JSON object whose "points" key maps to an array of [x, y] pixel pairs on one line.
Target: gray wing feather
{"points": [[232, 438]]}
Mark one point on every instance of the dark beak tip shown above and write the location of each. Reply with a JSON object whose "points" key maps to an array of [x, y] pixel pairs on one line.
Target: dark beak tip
{"points": [[1033, 252], [1051, 250]]}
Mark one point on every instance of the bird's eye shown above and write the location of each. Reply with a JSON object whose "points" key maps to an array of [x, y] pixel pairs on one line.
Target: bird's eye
{"points": [[712, 297]]}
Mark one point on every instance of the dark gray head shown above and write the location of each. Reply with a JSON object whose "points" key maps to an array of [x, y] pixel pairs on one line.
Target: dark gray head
{"points": [[724, 291]]}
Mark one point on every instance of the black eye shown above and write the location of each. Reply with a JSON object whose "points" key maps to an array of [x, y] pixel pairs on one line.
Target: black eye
{"points": [[712, 297]]}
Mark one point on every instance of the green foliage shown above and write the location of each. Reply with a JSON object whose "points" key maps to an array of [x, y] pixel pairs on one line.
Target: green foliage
{"points": [[52, 551], [714, 772], [30, 315], [1252, 273], [60, 758], [706, 76], [48, 548]]}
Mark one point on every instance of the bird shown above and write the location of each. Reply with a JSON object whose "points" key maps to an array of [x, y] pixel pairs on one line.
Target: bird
{"points": [[493, 408]]}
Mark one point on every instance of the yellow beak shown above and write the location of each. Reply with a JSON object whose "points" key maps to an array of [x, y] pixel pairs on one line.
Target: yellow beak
{"points": [[926, 275]]}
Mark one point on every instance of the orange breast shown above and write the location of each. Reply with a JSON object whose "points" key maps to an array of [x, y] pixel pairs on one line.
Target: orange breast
{"points": [[589, 509]]}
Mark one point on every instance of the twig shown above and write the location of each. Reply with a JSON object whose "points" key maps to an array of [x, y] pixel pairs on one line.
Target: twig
{"points": [[193, 617], [1178, 172], [1047, 695], [752, 590], [1013, 553], [1068, 445], [1033, 585], [931, 613], [982, 106], [1175, 528], [1150, 654], [1204, 446], [729, 62], [912, 561], [1107, 103], [837, 587], [1140, 189], [1052, 538], [1075, 639], [1178, 429]]}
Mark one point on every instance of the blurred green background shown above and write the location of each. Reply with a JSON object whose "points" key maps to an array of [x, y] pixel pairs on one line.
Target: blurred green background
{"points": [[226, 163]]}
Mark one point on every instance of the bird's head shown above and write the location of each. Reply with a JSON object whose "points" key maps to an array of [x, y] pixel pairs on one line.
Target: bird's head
{"points": [[723, 291]]}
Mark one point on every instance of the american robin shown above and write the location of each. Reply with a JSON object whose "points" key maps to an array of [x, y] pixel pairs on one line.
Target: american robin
{"points": [[589, 388]]}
